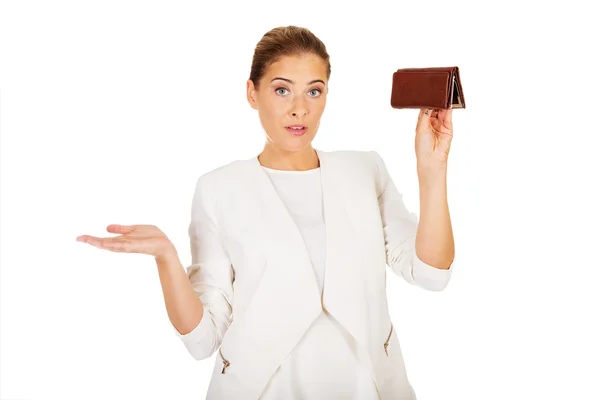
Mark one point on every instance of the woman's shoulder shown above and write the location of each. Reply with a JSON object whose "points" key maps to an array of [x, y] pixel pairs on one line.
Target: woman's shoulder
{"points": [[222, 176], [225, 170], [236, 174]]}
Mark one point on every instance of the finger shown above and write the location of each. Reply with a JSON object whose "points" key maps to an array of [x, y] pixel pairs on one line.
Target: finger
{"points": [[424, 119], [85, 238], [445, 117], [421, 114], [118, 244], [80, 238], [94, 241], [122, 229], [448, 118], [443, 113]]}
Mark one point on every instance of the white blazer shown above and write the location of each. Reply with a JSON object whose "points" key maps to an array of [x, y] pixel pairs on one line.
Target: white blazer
{"points": [[252, 271]]}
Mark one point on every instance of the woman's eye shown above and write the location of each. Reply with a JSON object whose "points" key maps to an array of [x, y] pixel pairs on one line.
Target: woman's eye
{"points": [[284, 91]]}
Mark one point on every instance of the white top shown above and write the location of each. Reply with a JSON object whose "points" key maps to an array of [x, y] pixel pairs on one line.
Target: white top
{"points": [[325, 364]]}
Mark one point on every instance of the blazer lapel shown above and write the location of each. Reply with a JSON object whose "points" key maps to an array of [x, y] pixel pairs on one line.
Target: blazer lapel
{"points": [[287, 299], [292, 271], [343, 294]]}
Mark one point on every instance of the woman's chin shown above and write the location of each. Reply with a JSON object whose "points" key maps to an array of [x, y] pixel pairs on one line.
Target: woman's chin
{"points": [[298, 143]]}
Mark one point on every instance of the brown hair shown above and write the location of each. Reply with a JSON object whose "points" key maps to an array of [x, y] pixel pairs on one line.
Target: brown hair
{"points": [[285, 41]]}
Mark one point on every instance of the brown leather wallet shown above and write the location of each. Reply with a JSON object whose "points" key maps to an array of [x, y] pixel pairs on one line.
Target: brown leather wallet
{"points": [[437, 87]]}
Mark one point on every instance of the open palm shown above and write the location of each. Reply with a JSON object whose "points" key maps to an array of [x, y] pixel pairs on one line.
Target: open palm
{"points": [[144, 239]]}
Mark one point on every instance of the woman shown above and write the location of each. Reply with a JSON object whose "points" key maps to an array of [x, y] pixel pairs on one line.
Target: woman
{"points": [[289, 248]]}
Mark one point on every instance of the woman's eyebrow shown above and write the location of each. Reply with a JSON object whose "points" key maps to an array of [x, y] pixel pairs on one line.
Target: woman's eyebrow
{"points": [[293, 83]]}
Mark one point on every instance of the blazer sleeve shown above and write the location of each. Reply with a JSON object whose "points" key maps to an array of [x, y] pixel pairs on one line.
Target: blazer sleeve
{"points": [[400, 232], [211, 275]]}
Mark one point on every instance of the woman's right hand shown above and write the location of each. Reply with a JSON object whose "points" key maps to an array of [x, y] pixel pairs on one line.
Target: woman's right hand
{"points": [[144, 239]]}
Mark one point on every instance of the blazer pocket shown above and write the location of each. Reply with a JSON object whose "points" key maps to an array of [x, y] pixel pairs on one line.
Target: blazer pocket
{"points": [[395, 371], [387, 342], [226, 362]]}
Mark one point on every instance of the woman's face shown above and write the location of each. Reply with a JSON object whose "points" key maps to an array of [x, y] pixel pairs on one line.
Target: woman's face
{"points": [[292, 93]]}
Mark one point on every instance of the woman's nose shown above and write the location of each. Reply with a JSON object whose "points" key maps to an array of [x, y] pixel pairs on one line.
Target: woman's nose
{"points": [[298, 110]]}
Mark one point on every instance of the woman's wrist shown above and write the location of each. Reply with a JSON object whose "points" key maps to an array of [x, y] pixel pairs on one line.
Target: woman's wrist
{"points": [[167, 256]]}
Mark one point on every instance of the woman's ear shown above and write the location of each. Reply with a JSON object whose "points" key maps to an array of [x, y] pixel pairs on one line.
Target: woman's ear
{"points": [[251, 94]]}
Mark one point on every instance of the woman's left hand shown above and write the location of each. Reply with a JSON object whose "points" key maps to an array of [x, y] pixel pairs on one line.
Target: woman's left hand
{"points": [[433, 137]]}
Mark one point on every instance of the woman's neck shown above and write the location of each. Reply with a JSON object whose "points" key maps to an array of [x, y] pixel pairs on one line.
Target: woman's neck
{"points": [[277, 158]]}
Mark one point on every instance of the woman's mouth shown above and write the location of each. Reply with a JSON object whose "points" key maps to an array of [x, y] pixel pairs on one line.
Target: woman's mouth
{"points": [[297, 130]]}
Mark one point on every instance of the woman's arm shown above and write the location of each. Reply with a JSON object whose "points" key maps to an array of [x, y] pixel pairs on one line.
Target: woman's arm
{"points": [[184, 308], [198, 299], [435, 240], [401, 230], [200, 323]]}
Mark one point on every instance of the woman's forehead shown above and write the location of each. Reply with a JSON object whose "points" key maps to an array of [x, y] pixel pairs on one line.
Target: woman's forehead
{"points": [[298, 69]]}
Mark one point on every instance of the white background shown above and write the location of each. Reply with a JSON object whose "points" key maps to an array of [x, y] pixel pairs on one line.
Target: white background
{"points": [[110, 110]]}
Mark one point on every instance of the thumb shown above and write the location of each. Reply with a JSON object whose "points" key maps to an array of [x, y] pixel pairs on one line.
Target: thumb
{"points": [[122, 229]]}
